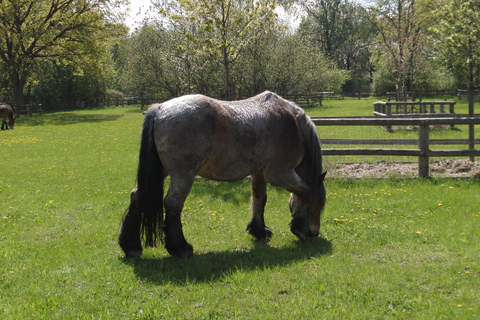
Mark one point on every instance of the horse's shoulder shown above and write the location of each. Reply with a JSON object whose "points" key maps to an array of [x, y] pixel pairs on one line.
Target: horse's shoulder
{"points": [[265, 96], [274, 99]]}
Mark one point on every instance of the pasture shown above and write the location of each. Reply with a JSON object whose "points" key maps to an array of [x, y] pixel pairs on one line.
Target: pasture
{"points": [[388, 249]]}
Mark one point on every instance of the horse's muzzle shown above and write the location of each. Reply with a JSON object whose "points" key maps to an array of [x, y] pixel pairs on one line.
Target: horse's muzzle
{"points": [[302, 229], [313, 232]]}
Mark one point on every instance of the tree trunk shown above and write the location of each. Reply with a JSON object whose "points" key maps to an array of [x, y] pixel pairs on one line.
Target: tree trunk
{"points": [[226, 66], [18, 85]]}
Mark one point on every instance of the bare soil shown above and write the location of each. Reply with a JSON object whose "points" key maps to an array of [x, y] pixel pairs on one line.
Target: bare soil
{"points": [[463, 168]]}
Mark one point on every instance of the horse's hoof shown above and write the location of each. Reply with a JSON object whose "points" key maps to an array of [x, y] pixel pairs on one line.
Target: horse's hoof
{"points": [[133, 254], [185, 251], [264, 233]]}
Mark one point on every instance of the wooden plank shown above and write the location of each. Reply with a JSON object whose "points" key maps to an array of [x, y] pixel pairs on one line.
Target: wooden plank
{"points": [[371, 141], [410, 103], [371, 152], [396, 141], [399, 152], [454, 153], [376, 121]]}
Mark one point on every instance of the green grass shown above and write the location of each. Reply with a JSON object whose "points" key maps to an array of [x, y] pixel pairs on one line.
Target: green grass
{"points": [[389, 249]]}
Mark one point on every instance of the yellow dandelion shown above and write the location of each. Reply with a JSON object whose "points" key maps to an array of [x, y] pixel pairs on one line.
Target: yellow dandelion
{"points": [[418, 232]]}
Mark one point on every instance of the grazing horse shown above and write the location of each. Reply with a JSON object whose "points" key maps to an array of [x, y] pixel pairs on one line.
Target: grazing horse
{"points": [[267, 137], [7, 112]]}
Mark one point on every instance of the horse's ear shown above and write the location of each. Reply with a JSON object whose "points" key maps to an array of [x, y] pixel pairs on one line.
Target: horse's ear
{"points": [[322, 176]]}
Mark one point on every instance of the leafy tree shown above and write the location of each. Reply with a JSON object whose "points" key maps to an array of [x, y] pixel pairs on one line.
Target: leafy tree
{"points": [[458, 38], [401, 44], [223, 28], [287, 65], [159, 62], [342, 32], [62, 31]]}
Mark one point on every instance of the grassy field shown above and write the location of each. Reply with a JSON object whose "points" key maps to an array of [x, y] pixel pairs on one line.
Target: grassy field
{"points": [[389, 249]]}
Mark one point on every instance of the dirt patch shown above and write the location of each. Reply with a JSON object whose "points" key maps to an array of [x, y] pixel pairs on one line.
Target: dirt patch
{"points": [[384, 169]]}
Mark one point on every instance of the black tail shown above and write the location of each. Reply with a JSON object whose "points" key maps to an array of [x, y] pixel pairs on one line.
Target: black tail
{"points": [[150, 185]]}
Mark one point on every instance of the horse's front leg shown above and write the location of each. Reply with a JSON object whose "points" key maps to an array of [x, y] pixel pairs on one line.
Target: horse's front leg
{"points": [[256, 227], [175, 241], [3, 125], [129, 238]]}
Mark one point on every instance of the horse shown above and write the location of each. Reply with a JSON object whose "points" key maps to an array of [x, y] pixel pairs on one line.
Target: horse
{"points": [[7, 112], [265, 137]]}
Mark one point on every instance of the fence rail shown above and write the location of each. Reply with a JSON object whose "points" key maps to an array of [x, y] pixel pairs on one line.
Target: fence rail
{"points": [[423, 151]]}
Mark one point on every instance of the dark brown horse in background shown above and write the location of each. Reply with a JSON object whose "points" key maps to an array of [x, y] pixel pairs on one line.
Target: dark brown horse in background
{"points": [[6, 112], [267, 137]]}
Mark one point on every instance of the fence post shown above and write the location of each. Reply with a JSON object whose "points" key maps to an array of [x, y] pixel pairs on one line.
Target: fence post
{"points": [[388, 112], [424, 146], [471, 113]]}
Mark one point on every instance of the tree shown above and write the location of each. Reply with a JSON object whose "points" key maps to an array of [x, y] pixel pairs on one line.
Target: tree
{"points": [[458, 38], [285, 64], [223, 28], [401, 43], [66, 31], [342, 32]]}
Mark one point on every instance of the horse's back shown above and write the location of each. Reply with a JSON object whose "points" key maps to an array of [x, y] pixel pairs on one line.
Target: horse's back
{"points": [[5, 110], [225, 140]]}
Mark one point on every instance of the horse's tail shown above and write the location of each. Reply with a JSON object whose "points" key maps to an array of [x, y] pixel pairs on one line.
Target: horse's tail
{"points": [[150, 184]]}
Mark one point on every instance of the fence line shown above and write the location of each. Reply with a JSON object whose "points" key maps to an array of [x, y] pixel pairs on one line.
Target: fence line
{"points": [[423, 152]]}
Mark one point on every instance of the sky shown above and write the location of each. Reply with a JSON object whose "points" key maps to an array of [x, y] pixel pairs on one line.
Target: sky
{"points": [[139, 10]]}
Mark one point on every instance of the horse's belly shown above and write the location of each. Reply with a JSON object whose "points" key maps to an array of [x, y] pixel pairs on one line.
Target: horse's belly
{"points": [[223, 169]]}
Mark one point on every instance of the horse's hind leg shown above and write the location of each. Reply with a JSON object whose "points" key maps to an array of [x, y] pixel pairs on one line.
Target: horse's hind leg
{"points": [[3, 125], [129, 238], [178, 191], [256, 227]]}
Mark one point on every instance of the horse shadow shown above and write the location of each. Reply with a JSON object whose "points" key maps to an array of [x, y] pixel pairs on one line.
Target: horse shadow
{"points": [[214, 266]]}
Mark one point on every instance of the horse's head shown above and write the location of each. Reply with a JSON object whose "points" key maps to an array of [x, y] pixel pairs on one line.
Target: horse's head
{"points": [[306, 211], [11, 122]]}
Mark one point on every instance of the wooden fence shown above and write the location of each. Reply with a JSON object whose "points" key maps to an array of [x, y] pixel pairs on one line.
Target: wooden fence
{"points": [[423, 143], [28, 109], [389, 109], [414, 109]]}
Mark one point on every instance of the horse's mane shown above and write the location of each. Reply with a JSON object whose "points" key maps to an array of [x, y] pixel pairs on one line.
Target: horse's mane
{"points": [[313, 154]]}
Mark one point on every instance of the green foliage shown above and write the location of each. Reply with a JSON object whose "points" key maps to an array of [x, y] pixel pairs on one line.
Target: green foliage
{"points": [[286, 65], [153, 63], [460, 47], [401, 44], [388, 249], [163, 63], [224, 28], [66, 32]]}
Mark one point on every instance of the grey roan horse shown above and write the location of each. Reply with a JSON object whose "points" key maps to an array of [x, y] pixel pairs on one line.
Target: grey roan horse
{"points": [[267, 137]]}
